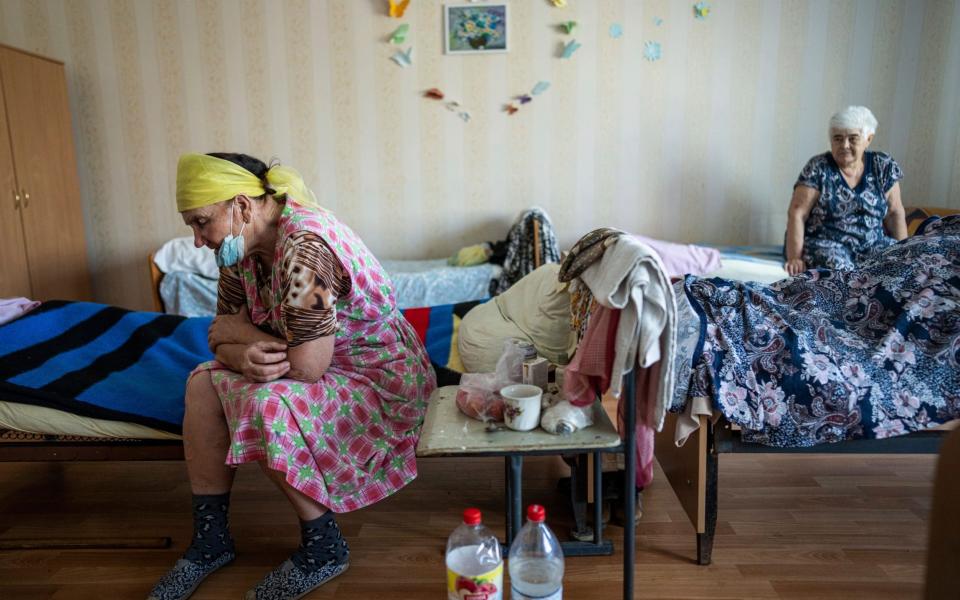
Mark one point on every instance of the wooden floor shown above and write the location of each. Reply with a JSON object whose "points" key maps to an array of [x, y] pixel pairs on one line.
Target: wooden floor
{"points": [[815, 526]]}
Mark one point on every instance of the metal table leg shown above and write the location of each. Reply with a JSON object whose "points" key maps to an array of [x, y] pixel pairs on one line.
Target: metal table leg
{"points": [[508, 500], [597, 498], [516, 485], [629, 484]]}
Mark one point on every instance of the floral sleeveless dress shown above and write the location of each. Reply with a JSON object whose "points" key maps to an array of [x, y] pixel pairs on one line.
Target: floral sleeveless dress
{"points": [[349, 439]]}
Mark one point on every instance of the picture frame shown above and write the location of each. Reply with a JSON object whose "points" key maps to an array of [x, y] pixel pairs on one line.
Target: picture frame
{"points": [[476, 28]]}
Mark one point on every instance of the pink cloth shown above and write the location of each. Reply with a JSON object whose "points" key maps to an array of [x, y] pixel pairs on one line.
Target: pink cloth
{"points": [[683, 259], [588, 374], [12, 308], [647, 381]]}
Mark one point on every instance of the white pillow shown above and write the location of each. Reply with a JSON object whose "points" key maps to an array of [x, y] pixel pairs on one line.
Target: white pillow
{"points": [[762, 271], [179, 254]]}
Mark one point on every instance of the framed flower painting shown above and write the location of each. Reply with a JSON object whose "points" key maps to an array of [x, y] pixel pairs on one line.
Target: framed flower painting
{"points": [[475, 28]]}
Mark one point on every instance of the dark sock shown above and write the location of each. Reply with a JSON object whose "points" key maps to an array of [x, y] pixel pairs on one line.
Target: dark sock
{"points": [[321, 543], [211, 528], [210, 549]]}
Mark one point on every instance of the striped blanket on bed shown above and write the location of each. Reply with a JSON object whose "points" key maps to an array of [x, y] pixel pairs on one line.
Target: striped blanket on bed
{"points": [[110, 363]]}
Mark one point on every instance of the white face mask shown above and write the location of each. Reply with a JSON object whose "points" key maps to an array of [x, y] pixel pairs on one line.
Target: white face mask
{"points": [[232, 247]]}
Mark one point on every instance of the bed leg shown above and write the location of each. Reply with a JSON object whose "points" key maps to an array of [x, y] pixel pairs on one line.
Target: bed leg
{"points": [[705, 539]]}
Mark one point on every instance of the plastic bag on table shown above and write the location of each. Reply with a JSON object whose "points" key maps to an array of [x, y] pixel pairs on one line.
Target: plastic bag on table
{"points": [[564, 418], [478, 395]]}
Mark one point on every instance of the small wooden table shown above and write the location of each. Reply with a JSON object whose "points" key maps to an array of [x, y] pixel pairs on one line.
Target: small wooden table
{"points": [[448, 432]]}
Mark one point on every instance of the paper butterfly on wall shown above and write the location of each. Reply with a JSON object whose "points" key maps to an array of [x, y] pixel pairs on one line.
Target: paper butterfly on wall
{"points": [[397, 8], [403, 59], [451, 105], [570, 47], [538, 89], [399, 34]]}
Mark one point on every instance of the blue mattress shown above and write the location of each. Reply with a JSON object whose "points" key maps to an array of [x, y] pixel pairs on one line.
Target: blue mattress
{"points": [[434, 282]]}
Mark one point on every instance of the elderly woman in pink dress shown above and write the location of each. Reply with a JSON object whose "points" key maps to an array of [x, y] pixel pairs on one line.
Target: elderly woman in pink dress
{"points": [[317, 377]]}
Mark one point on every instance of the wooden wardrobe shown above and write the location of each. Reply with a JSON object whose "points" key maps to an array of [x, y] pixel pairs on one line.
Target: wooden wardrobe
{"points": [[43, 252]]}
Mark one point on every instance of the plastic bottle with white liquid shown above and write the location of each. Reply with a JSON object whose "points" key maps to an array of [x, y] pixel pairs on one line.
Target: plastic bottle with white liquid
{"points": [[474, 561], [536, 560]]}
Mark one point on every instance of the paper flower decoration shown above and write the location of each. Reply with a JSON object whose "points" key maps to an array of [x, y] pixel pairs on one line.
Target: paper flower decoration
{"points": [[652, 51], [616, 30], [701, 10], [568, 26], [434, 94], [559, 3], [657, 21]]}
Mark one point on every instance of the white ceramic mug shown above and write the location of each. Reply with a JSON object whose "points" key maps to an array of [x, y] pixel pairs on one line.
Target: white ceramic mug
{"points": [[521, 406]]}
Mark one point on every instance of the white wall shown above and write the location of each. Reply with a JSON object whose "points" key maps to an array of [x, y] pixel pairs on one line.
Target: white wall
{"points": [[703, 145]]}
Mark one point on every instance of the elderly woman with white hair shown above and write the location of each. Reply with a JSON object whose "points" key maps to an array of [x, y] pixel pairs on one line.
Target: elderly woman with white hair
{"points": [[846, 203]]}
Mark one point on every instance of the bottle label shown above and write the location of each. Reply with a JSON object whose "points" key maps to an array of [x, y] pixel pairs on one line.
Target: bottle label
{"points": [[488, 586], [515, 595]]}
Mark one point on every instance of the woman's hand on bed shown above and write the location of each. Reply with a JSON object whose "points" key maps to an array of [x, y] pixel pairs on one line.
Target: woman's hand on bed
{"points": [[264, 361], [795, 266]]}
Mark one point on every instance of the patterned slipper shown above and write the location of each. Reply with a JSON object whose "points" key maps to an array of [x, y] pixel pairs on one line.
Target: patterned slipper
{"points": [[182, 580], [289, 582]]}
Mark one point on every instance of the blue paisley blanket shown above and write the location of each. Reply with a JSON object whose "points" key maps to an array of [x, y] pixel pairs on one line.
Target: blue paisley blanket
{"points": [[828, 356]]}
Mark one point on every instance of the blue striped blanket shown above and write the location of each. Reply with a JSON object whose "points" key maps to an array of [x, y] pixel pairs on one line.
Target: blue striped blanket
{"points": [[102, 361], [110, 363]]}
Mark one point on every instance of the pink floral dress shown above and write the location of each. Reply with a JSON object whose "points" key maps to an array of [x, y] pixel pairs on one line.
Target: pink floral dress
{"points": [[347, 440]]}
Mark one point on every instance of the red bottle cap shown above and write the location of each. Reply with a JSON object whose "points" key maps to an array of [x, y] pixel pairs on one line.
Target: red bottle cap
{"points": [[471, 516], [536, 513]]}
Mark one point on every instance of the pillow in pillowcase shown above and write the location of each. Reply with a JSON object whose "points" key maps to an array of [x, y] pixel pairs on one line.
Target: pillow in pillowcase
{"points": [[684, 259]]}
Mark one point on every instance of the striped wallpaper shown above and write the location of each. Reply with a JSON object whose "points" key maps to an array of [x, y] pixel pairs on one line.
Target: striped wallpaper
{"points": [[703, 145]]}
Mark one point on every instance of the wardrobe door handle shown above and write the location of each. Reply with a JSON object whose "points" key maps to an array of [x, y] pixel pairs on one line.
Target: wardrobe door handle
{"points": [[16, 200], [26, 198]]}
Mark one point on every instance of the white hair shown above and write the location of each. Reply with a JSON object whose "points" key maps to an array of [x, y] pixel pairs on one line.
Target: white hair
{"points": [[855, 117]]}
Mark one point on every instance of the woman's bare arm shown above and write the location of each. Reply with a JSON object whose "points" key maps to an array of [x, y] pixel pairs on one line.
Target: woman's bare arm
{"points": [[802, 202], [310, 360], [896, 219]]}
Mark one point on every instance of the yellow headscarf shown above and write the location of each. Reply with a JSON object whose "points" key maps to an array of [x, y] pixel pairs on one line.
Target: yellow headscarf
{"points": [[203, 180]]}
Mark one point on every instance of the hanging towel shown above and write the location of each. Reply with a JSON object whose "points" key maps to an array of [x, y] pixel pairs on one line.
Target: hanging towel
{"points": [[630, 276]]}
